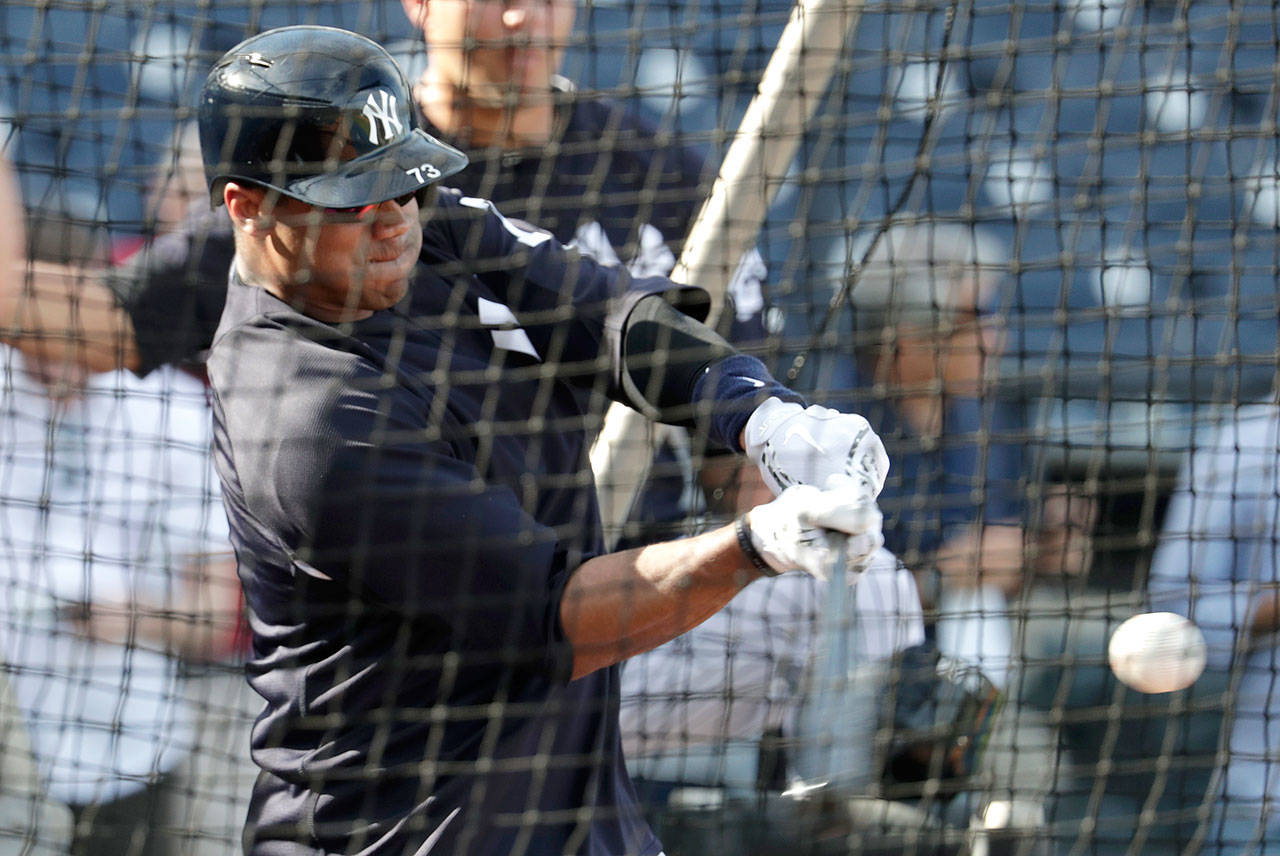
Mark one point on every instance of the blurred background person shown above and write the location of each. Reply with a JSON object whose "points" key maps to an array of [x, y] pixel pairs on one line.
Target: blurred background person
{"points": [[117, 569], [1218, 563], [31, 822], [116, 551], [918, 367], [965, 504], [961, 510]]}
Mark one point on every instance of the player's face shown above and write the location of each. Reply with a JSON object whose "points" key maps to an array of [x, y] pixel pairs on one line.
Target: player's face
{"points": [[491, 49], [344, 265]]}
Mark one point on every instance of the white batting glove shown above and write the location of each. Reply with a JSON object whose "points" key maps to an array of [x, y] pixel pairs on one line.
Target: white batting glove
{"points": [[806, 528], [808, 445]]}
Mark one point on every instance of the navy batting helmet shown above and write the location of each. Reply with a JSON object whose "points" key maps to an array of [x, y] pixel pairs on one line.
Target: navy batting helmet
{"points": [[320, 114]]}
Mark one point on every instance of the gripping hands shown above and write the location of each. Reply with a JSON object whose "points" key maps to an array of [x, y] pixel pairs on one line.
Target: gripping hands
{"points": [[826, 469], [794, 445], [806, 527]]}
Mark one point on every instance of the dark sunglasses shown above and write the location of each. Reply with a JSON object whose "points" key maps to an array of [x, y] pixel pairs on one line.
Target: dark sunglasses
{"points": [[358, 211]]}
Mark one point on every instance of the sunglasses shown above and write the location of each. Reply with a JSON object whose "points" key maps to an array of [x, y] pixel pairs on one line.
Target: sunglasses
{"points": [[358, 211]]}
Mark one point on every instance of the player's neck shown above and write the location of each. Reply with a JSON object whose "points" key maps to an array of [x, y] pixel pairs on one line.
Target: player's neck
{"points": [[471, 123], [270, 279]]}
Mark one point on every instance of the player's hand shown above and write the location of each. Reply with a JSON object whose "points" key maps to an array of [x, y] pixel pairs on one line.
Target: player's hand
{"points": [[795, 445], [806, 528]]}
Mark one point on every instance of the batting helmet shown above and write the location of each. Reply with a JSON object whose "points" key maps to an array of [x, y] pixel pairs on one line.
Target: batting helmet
{"points": [[320, 114]]}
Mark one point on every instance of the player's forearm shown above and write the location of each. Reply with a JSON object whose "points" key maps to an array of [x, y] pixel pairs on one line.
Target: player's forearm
{"points": [[623, 604], [200, 625], [55, 312], [58, 313]]}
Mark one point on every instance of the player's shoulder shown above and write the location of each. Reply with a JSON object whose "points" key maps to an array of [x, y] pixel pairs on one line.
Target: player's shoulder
{"points": [[265, 347], [451, 229], [464, 227], [629, 133]]}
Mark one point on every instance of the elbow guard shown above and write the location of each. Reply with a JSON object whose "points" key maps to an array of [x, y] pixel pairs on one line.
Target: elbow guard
{"points": [[664, 353]]}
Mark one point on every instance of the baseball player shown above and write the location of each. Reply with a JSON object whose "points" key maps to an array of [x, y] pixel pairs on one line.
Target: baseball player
{"points": [[538, 150], [402, 378]]}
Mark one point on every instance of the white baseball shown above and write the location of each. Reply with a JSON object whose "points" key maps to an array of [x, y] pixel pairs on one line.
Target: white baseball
{"points": [[1157, 652]]}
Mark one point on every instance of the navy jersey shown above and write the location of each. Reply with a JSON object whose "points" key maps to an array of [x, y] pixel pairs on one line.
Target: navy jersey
{"points": [[407, 496], [608, 183]]}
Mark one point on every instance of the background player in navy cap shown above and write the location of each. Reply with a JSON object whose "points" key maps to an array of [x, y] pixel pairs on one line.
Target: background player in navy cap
{"points": [[403, 386]]}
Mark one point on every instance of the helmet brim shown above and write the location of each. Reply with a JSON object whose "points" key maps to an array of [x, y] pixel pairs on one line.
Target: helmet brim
{"points": [[407, 165]]}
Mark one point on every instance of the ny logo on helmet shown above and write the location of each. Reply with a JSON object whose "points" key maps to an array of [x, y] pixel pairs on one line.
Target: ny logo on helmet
{"points": [[382, 116]]}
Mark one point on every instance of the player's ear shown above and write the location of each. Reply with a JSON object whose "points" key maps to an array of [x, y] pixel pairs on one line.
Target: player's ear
{"points": [[244, 204]]}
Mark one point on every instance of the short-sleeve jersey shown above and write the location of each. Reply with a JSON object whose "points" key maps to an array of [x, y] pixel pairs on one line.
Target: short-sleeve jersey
{"points": [[407, 496]]}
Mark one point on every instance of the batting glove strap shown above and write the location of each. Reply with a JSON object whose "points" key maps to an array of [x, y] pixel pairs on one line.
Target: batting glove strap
{"points": [[742, 529], [795, 445]]}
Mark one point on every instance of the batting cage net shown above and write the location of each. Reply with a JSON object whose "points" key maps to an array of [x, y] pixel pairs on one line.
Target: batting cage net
{"points": [[1033, 244]]}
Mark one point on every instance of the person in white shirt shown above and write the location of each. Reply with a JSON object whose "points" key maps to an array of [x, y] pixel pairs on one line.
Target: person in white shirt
{"points": [[110, 519]]}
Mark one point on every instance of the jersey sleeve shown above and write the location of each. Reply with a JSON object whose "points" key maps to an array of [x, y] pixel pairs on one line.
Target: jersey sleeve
{"points": [[577, 311], [428, 535], [173, 290]]}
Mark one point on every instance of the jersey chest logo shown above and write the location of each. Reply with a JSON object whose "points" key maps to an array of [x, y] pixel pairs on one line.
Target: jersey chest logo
{"points": [[506, 331]]}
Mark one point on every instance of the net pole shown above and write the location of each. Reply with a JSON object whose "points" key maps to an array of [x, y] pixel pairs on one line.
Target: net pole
{"points": [[791, 88]]}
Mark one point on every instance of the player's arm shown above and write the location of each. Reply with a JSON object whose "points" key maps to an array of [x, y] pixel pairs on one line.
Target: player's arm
{"points": [[162, 306], [56, 312], [623, 604], [660, 359], [584, 317], [172, 290]]}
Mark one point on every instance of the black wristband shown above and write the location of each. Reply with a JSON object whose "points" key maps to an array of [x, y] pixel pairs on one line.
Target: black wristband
{"points": [[743, 531]]}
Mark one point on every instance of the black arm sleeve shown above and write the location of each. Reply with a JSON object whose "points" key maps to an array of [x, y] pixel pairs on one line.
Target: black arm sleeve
{"points": [[174, 289], [680, 371], [664, 353]]}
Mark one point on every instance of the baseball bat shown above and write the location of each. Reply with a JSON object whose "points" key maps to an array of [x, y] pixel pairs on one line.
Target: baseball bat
{"points": [[790, 90]]}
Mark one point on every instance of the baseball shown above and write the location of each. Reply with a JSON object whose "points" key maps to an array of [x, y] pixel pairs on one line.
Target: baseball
{"points": [[1157, 652]]}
